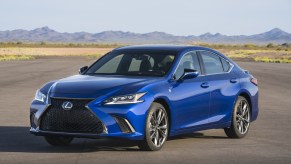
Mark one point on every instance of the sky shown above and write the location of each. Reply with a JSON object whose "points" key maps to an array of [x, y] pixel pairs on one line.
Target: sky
{"points": [[178, 17]]}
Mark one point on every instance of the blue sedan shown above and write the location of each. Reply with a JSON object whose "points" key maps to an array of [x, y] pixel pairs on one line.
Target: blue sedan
{"points": [[147, 93]]}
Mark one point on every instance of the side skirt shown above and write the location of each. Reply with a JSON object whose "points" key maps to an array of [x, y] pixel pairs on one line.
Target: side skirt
{"points": [[200, 128]]}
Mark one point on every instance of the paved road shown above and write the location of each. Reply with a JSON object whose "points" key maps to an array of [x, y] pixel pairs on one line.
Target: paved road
{"points": [[268, 141]]}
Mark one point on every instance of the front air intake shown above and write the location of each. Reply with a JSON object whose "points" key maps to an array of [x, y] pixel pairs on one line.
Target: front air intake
{"points": [[32, 119], [124, 125]]}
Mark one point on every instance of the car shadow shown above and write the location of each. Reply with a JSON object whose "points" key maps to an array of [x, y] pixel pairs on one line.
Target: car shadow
{"points": [[195, 135], [18, 139]]}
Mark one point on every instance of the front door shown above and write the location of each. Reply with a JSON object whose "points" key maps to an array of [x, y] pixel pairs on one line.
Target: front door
{"points": [[191, 97]]}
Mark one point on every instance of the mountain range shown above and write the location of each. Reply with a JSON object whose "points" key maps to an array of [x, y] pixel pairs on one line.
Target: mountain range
{"points": [[45, 34]]}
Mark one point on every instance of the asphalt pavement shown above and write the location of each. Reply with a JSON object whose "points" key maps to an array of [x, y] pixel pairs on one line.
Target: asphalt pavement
{"points": [[268, 141]]}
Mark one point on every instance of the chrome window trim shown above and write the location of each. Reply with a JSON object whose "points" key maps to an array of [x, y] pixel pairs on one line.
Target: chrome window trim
{"points": [[230, 69]]}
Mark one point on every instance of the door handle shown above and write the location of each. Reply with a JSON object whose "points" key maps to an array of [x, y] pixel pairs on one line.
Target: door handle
{"points": [[234, 80], [204, 85]]}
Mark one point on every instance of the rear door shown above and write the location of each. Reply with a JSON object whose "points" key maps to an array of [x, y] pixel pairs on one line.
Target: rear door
{"points": [[223, 84]]}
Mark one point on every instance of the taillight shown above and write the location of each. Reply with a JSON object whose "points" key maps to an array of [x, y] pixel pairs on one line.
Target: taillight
{"points": [[254, 80]]}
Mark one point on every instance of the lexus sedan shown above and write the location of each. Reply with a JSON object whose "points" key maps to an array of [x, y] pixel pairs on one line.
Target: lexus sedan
{"points": [[147, 94]]}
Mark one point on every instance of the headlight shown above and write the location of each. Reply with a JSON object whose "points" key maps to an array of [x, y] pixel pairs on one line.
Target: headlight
{"points": [[125, 99], [40, 96]]}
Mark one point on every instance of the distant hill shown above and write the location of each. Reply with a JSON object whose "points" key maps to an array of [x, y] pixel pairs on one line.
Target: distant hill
{"points": [[46, 34]]}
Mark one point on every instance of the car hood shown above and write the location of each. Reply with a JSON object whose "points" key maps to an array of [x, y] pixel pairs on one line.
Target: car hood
{"points": [[94, 86]]}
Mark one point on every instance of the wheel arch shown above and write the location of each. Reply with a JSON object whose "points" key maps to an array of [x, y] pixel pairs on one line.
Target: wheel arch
{"points": [[166, 104], [247, 96]]}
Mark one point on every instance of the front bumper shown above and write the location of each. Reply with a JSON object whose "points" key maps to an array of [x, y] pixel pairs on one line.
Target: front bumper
{"points": [[123, 121]]}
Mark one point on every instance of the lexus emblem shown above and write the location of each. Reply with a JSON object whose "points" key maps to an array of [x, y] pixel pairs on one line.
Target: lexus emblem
{"points": [[67, 105]]}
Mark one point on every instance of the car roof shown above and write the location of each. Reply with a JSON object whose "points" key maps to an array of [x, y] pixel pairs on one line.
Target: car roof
{"points": [[172, 48], [175, 48]]}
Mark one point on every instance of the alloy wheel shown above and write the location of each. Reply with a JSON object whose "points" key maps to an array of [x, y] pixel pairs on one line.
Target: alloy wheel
{"points": [[243, 117], [158, 127]]}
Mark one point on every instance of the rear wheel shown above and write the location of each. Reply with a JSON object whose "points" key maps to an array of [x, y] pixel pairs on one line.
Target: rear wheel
{"points": [[156, 128], [240, 119], [58, 140]]}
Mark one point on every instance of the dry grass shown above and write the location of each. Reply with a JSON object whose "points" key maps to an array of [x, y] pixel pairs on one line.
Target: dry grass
{"points": [[272, 60], [28, 53], [15, 57], [273, 56], [53, 51]]}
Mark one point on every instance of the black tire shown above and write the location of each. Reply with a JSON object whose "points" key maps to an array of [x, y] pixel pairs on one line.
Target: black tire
{"points": [[58, 140], [235, 130], [147, 144]]}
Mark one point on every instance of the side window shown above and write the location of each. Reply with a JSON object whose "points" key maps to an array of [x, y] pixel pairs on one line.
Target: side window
{"points": [[111, 66], [225, 64], [134, 65], [196, 62], [165, 64], [152, 61], [189, 61], [212, 63], [146, 63]]}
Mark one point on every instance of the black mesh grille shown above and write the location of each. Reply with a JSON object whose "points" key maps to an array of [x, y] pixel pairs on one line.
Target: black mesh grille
{"points": [[79, 119]]}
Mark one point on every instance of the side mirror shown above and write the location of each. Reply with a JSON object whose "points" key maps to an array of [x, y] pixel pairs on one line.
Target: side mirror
{"points": [[83, 69], [189, 74]]}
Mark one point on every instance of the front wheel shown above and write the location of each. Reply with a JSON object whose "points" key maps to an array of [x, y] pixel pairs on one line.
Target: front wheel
{"points": [[156, 128], [240, 119], [58, 140]]}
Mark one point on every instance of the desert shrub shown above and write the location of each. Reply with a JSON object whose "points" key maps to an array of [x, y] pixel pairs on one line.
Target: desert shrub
{"points": [[286, 45], [270, 45], [249, 45], [15, 57]]}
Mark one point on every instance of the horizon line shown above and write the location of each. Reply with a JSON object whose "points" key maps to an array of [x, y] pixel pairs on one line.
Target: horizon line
{"points": [[218, 33]]}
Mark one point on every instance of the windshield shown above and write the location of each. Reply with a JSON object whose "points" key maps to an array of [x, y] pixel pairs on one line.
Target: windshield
{"points": [[133, 63]]}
